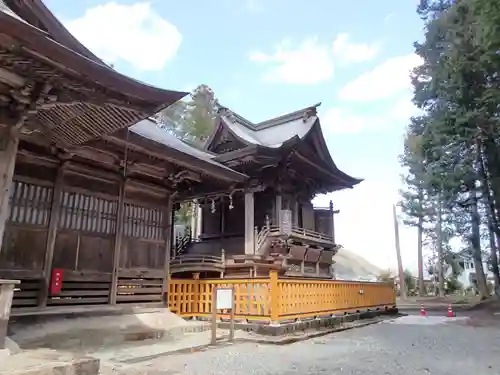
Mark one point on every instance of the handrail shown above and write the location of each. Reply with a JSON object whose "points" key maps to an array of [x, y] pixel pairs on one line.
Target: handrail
{"points": [[311, 233], [260, 238], [274, 230], [196, 258], [187, 262], [321, 208]]}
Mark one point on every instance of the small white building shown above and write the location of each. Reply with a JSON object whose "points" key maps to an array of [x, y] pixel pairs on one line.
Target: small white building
{"points": [[468, 277]]}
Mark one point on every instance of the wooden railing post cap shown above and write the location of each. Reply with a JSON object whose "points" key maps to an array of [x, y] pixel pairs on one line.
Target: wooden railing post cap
{"points": [[9, 282]]}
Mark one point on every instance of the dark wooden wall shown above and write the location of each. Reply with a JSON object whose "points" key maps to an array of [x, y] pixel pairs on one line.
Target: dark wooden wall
{"points": [[234, 220], [264, 206], [323, 221], [224, 221], [211, 221], [101, 264]]}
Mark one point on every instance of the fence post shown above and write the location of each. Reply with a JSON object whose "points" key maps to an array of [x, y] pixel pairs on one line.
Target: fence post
{"points": [[275, 296]]}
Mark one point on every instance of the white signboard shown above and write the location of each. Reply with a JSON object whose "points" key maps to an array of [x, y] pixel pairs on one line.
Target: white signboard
{"points": [[224, 298]]}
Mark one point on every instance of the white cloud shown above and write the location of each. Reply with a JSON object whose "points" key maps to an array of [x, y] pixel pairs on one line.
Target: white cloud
{"points": [[135, 34], [345, 120], [365, 223], [337, 120], [308, 63], [348, 52], [385, 80]]}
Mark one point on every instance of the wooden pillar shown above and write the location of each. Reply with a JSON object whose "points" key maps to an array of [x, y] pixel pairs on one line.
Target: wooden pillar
{"points": [[296, 211], [278, 208], [275, 296], [249, 223], [120, 222], [222, 218], [199, 220], [55, 211], [168, 226], [194, 218], [223, 261], [9, 142], [332, 215]]}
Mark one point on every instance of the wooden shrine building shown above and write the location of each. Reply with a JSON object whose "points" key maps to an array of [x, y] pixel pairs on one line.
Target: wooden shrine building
{"points": [[87, 180], [271, 224]]}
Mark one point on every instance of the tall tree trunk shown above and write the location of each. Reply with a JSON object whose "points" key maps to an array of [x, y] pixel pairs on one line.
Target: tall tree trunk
{"points": [[490, 170], [492, 214], [476, 245], [439, 235], [493, 255], [421, 285], [401, 272]]}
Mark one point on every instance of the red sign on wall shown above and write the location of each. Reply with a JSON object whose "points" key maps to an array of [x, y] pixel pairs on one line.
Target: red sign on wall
{"points": [[56, 280]]}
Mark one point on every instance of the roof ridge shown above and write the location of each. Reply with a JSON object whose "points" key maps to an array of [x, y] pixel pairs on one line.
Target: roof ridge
{"points": [[224, 111], [304, 113]]}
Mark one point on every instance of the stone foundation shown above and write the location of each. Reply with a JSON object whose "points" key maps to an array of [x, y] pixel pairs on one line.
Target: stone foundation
{"points": [[47, 362], [287, 327]]}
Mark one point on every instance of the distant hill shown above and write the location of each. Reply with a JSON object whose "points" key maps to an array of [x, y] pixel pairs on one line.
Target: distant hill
{"points": [[350, 266]]}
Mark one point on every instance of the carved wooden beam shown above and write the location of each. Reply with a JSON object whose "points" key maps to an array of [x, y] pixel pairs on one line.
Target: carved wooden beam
{"points": [[95, 154], [10, 78], [90, 173], [141, 186], [146, 170], [37, 159], [184, 175]]}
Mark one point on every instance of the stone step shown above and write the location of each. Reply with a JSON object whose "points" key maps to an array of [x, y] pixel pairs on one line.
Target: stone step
{"points": [[47, 362]]}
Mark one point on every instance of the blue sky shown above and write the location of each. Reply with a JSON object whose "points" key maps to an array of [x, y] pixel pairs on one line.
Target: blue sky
{"points": [[264, 58]]}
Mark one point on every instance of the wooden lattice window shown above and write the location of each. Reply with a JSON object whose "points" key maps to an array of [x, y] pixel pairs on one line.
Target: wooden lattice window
{"points": [[30, 204], [87, 213], [143, 222]]}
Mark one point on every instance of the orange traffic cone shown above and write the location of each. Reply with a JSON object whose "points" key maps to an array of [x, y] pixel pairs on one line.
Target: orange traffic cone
{"points": [[422, 310], [450, 314]]}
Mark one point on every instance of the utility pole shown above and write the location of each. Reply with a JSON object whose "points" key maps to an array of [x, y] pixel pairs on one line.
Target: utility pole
{"points": [[402, 283], [439, 237]]}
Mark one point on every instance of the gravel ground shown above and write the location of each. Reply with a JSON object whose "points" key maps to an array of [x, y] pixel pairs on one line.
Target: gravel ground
{"points": [[409, 345]]}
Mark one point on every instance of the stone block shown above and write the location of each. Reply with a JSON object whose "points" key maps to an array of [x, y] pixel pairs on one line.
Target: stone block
{"points": [[48, 362], [6, 295]]}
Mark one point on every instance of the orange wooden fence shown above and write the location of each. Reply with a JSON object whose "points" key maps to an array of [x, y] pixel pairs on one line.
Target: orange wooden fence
{"points": [[275, 299]]}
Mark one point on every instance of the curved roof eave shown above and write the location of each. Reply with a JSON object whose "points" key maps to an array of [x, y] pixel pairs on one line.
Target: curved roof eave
{"points": [[290, 143], [347, 179], [350, 181], [37, 40], [56, 29], [284, 144], [224, 123]]}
